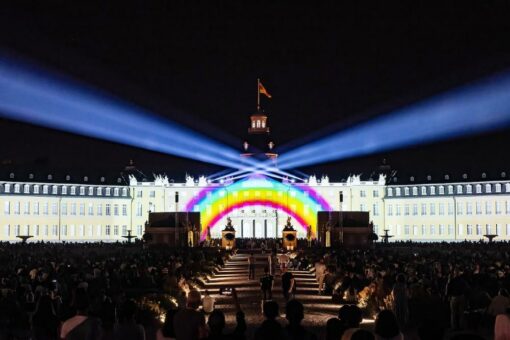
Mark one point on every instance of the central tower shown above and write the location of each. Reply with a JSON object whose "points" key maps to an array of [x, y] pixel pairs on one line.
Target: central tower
{"points": [[258, 143]]}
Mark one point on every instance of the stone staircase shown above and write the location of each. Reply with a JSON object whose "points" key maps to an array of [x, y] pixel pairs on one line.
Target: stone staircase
{"points": [[318, 309]]}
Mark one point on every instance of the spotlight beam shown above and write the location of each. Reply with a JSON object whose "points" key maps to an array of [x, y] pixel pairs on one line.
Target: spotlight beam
{"points": [[31, 95], [481, 107]]}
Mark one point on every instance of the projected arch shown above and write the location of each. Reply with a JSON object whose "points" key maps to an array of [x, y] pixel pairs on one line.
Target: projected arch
{"points": [[298, 201]]}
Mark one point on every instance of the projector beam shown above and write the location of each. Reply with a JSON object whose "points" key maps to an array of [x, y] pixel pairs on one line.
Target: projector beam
{"points": [[478, 108]]}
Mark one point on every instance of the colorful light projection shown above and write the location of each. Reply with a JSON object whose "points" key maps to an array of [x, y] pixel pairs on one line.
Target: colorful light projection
{"points": [[296, 200]]}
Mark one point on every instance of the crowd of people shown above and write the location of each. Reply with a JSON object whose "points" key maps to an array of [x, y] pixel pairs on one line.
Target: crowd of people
{"points": [[91, 291]]}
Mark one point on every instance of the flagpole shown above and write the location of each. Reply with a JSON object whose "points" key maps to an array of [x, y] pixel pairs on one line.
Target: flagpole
{"points": [[258, 94]]}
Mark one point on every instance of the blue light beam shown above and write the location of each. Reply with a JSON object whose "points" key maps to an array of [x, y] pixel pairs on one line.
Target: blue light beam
{"points": [[28, 94], [472, 109]]}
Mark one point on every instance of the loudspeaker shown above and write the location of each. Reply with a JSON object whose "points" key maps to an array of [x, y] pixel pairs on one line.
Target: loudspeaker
{"points": [[341, 196], [176, 197]]}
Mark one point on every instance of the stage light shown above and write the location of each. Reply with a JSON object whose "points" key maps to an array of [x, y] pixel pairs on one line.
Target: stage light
{"points": [[31, 95], [472, 109]]}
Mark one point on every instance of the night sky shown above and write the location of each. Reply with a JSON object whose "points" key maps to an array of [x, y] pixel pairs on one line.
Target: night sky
{"points": [[327, 67]]}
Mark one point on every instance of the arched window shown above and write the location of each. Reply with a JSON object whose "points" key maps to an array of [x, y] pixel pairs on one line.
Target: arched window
{"points": [[459, 189], [488, 188], [450, 190], [26, 189], [397, 191], [478, 188], [390, 192], [498, 187], [16, 188], [507, 187], [406, 191], [441, 190], [469, 189], [415, 191]]}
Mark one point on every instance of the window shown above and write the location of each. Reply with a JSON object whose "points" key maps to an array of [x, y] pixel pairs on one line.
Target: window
{"points": [[469, 208], [441, 229], [124, 210], [36, 189], [508, 229], [82, 209], [507, 187], [26, 189], [91, 191], [390, 210], [26, 210], [432, 209], [98, 191], [423, 209], [432, 230], [450, 229], [45, 208], [7, 207], [441, 209], [17, 230], [7, 230], [459, 208], [90, 230], [139, 229], [36, 208], [36, 230], [432, 190], [362, 193], [54, 208], [397, 192], [375, 229], [16, 188], [478, 188], [139, 193], [488, 229], [390, 192], [478, 208], [375, 193], [54, 230], [497, 187], [508, 207], [98, 230], [116, 230], [488, 188], [139, 209], [116, 192], [81, 230], [99, 209], [64, 208], [91, 209], [460, 230], [424, 191], [459, 189], [63, 230], [362, 207], [450, 208], [415, 191], [478, 229], [406, 191], [116, 210], [406, 210], [498, 229], [415, 230], [397, 206], [469, 189], [124, 192], [124, 230], [152, 193], [7, 187], [488, 207], [406, 230], [108, 212], [71, 230], [469, 229], [423, 229], [450, 190], [73, 190], [415, 209], [441, 190], [73, 209], [64, 190], [498, 208], [108, 191], [107, 230], [82, 191], [16, 208]]}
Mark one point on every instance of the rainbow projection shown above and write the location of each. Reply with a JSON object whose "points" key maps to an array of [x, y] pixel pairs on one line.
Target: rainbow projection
{"points": [[298, 201]]}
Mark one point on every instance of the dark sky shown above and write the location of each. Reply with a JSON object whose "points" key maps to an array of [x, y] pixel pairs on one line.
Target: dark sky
{"points": [[326, 65]]}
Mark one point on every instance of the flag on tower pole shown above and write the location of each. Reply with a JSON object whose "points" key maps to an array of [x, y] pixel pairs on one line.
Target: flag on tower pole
{"points": [[261, 89]]}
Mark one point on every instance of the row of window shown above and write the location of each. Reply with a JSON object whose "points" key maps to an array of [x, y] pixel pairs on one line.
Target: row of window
{"points": [[64, 190], [448, 230], [71, 230], [459, 189], [363, 193], [35, 208], [487, 208]]}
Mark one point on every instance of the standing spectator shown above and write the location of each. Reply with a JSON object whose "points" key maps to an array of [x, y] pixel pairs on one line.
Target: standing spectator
{"points": [[288, 286], [294, 313], [502, 326], [251, 267], [386, 326], [127, 328], [320, 274], [208, 303], [81, 326], [399, 299], [167, 332], [266, 285], [283, 259], [270, 328], [499, 303], [456, 290], [45, 322], [189, 324]]}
